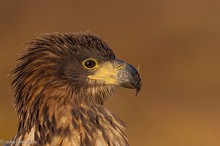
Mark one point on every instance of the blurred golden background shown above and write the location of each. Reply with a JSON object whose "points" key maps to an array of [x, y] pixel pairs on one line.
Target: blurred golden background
{"points": [[176, 43]]}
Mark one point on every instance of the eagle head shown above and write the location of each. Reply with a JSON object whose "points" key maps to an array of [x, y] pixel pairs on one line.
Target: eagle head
{"points": [[63, 71]]}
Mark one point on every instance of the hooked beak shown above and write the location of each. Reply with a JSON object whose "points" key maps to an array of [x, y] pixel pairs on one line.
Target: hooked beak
{"points": [[120, 73]]}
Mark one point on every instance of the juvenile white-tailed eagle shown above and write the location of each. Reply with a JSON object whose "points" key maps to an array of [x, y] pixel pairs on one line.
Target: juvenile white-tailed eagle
{"points": [[61, 84]]}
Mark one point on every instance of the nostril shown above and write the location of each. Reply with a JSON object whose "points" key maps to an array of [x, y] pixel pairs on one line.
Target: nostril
{"points": [[120, 67]]}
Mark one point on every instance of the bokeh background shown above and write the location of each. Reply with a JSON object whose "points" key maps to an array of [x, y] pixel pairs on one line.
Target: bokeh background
{"points": [[176, 43]]}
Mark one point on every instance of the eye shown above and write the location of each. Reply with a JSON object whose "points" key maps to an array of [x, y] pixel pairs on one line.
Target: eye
{"points": [[90, 63]]}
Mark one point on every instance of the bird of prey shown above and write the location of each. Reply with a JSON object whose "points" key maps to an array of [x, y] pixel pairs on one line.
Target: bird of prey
{"points": [[61, 84]]}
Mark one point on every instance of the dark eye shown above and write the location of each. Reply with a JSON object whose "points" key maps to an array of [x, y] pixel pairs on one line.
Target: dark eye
{"points": [[90, 63]]}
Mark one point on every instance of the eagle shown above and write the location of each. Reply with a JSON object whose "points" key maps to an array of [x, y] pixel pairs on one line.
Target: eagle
{"points": [[60, 86]]}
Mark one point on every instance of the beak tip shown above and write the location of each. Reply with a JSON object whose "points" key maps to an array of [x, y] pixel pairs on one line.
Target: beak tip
{"points": [[129, 77], [138, 89]]}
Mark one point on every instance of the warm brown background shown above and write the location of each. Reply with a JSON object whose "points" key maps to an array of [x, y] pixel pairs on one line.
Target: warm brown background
{"points": [[176, 43]]}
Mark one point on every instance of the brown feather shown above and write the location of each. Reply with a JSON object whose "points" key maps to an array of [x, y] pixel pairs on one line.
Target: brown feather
{"points": [[55, 103]]}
